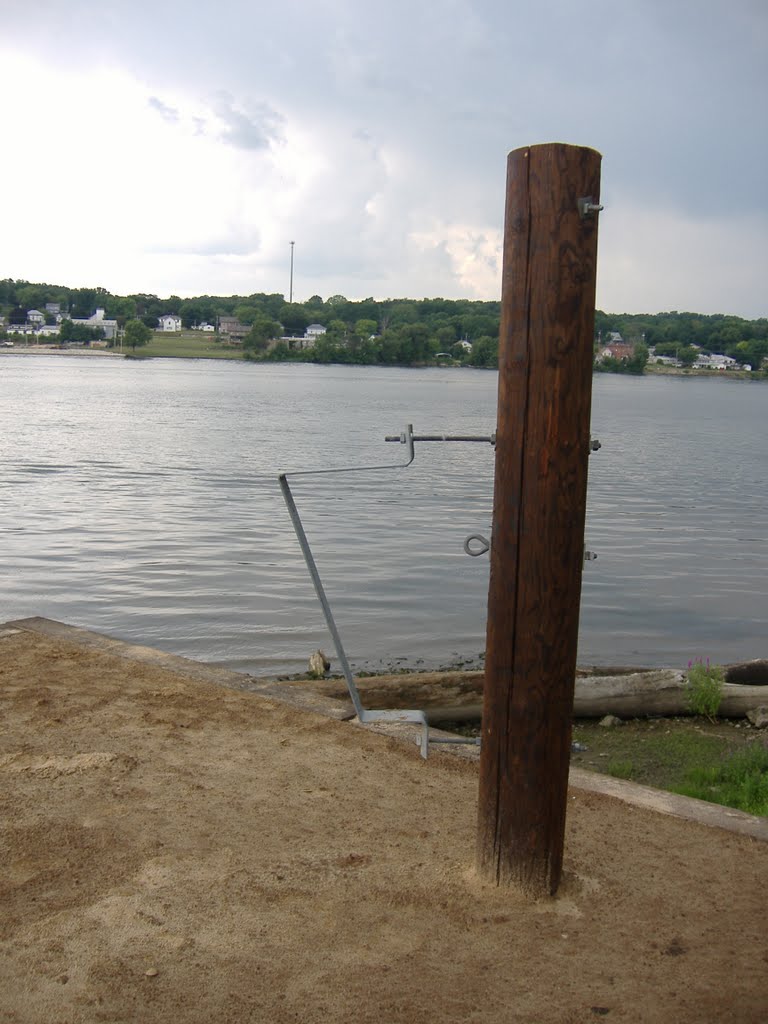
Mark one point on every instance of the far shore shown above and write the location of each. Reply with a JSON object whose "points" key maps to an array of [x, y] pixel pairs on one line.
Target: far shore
{"points": [[56, 350]]}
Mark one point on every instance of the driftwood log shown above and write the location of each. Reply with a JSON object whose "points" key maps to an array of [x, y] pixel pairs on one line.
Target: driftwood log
{"points": [[624, 692], [750, 673]]}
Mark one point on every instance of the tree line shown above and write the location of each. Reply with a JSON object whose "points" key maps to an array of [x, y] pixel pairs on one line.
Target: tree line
{"points": [[387, 331], [675, 334]]}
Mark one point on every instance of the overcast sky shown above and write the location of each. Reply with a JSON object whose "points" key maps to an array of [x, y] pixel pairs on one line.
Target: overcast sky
{"points": [[176, 147]]}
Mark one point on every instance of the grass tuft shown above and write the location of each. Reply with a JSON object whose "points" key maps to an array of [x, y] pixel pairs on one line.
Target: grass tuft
{"points": [[741, 781], [724, 762], [621, 769]]}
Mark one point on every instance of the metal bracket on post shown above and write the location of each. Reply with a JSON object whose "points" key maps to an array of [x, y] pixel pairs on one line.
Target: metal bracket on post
{"points": [[588, 206], [476, 544], [364, 715]]}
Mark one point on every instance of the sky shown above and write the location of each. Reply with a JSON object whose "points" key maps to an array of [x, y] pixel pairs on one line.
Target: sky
{"points": [[178, 148]]}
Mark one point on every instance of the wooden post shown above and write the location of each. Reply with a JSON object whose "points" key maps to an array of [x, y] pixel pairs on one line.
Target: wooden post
{"points": [[542, 449]]}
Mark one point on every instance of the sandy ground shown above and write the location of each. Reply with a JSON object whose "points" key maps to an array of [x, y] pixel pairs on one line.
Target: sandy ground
{"points": [[175, 851]]}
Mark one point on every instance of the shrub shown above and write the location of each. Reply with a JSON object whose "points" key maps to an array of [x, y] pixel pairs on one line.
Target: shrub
{"points": [[704, 688]]}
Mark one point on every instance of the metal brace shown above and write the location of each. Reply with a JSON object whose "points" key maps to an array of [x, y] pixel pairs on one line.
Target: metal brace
{"points": [[364, 715], [476, 544]]}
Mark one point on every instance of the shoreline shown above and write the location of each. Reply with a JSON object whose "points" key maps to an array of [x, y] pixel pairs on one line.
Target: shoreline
{"points": [[55, 350], [649, 371]]}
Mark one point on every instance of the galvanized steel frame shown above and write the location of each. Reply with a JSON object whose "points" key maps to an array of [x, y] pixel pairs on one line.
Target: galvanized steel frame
{"points": [[365, 715]]}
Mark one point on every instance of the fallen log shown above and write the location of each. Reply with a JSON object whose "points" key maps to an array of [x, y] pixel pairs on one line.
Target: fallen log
{"points": [[662, 692], [405, 690], [457, 696], [751, 673]]}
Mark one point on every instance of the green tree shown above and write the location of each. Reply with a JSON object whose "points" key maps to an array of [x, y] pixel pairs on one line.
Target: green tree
{"points": [[33, 296], [280, 353], [327, 349], [485, 352], [480, 325], [121, 309], [751, 353], [197, 311], [83, 301], [79, 333], [338, 329], [136, 334], [445, 337], [365, 328], [148, 309], [667, 348], [403, 313], [247, 313], [260, 334], [638, 360], [294, 317]]}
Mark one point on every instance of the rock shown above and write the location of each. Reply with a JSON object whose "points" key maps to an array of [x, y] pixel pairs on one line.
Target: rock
{"points": [[318, 664], [610, 722], [759, 716]]}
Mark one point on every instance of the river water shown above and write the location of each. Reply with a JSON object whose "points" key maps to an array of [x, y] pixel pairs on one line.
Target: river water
{"points": [[140, 499]]}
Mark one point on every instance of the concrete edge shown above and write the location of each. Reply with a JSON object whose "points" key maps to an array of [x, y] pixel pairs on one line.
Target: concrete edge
{"points": [[672, 804], [630, 793]]}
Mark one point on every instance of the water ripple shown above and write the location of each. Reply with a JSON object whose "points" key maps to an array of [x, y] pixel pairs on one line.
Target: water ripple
{"points": [[144, 503]]}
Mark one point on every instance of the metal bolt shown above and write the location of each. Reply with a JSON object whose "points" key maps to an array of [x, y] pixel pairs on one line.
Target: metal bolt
{"points": [[588, 206]]}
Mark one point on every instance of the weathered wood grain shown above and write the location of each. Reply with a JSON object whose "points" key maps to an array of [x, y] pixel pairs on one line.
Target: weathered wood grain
{"points": [[545, 388]]}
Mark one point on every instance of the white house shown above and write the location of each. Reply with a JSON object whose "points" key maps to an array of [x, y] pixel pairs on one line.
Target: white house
{"points": [[716, 362], [313, 332], [666, 360], [34, 316], [208, 328], [169, 322]]}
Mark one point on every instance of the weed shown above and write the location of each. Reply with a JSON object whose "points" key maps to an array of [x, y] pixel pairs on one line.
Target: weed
{"points": [[621, 769], [741, 781], [704, 689]]}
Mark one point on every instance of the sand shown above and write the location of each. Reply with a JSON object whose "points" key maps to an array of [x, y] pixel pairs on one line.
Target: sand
{"points": [[178, 851]]}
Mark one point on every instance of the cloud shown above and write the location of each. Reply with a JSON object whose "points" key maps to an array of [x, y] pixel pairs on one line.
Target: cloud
{"points": [[168, 114], [470, 257], [257, 130], [654, 258], [377, 140]]}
